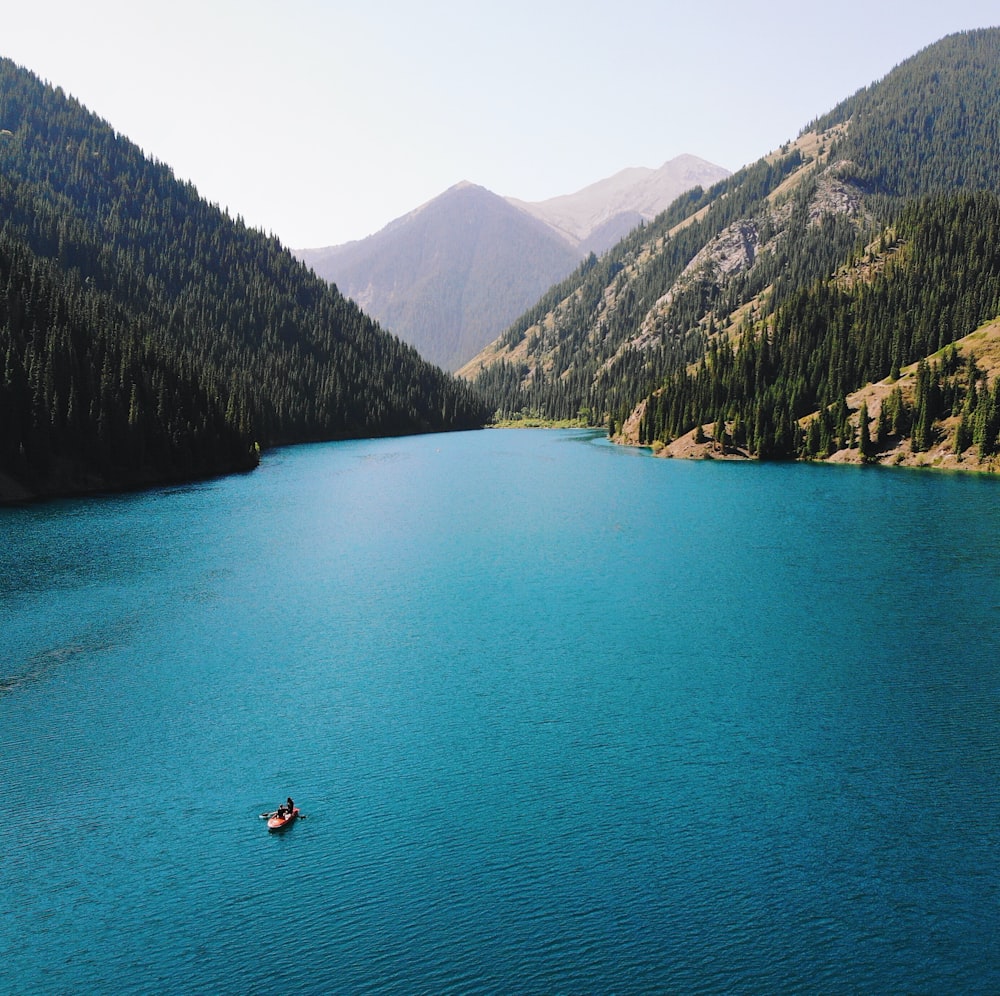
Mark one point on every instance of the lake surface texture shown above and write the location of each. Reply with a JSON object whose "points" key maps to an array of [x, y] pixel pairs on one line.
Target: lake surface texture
{"points": [[563, 718]]}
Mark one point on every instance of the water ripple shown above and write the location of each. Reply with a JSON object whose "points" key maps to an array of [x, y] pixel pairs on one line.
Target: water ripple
{"points": [[542, 747]]}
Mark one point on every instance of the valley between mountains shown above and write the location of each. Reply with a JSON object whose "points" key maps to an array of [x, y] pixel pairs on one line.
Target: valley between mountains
{"points": [[835, 300], [451, 275]]}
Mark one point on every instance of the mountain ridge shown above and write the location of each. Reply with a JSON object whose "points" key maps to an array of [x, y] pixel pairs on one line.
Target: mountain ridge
{"points": [[664, 316], [634, 191], [429, 277], [148, 337], [441, 275]]}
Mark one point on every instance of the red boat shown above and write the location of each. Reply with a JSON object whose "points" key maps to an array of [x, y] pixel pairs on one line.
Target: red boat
{"points": [[282, 820]]}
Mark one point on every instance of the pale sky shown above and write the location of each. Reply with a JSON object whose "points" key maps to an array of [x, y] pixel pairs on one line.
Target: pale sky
{"points": [[320, 122]]}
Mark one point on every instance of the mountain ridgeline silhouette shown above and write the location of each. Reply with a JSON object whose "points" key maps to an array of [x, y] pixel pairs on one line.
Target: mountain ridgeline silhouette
{"points": [[451, 275], [830, 301]]}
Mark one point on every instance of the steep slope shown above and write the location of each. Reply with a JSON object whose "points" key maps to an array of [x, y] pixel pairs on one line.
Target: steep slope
{"points": [[791, 386], [146, 336], [450, 275], [602, 213], [619, 322], [714, 271]]}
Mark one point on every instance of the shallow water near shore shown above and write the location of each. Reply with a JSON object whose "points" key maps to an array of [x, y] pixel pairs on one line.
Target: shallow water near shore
{"points": [[561, 717]]}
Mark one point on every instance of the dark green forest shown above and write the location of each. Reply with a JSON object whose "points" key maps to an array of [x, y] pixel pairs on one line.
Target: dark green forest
{"points": [[938, 278], [920, 153], [931, 125], [147, 336]]}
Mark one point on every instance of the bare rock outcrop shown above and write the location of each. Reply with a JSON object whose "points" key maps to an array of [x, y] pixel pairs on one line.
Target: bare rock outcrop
{"points": [[836, 193]]}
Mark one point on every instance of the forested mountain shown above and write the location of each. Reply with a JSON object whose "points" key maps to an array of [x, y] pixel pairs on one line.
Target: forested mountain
{"points": [[451, 275], [147, 336], [750, 312]]}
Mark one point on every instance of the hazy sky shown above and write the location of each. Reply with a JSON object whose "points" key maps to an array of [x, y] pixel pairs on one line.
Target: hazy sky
{"points": [[322, 122]]}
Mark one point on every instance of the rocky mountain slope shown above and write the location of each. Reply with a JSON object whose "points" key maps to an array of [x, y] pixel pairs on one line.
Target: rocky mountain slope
{"points": [[701, 317], [451, 275], [603, 213]]}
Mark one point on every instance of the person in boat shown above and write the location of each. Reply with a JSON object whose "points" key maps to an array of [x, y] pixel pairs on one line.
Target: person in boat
{"points": [[289, 805], [280, 811]]}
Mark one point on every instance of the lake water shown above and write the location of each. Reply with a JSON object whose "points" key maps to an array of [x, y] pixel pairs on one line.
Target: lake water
{"points": [[563, 718]]}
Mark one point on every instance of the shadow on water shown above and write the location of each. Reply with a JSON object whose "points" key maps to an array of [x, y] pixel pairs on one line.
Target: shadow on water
{"points": [[17, 675]]}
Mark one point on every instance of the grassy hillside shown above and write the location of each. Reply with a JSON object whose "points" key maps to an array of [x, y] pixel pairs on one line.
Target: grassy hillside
{"points": [[959, 438], [702, 317], [941, 410]]}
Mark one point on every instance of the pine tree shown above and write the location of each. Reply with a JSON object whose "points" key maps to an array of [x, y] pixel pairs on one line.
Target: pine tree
{"points": [[865, 447]]}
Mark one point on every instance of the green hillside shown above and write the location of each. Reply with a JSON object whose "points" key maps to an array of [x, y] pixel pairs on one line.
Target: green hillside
{"points": [[932, 125], [147, 336], [727, 309], [932, 281]]}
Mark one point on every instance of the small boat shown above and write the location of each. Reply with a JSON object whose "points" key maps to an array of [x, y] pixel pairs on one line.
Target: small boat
{"points": [[283, 820]]}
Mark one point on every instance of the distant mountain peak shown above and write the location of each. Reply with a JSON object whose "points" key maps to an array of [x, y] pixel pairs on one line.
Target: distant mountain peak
{"points": [[636, 190], [462, 189], [746, 319], [450, 275]]}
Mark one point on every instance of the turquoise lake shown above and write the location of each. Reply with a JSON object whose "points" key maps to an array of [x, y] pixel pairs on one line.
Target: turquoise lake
{"points": [[562, 717]]}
